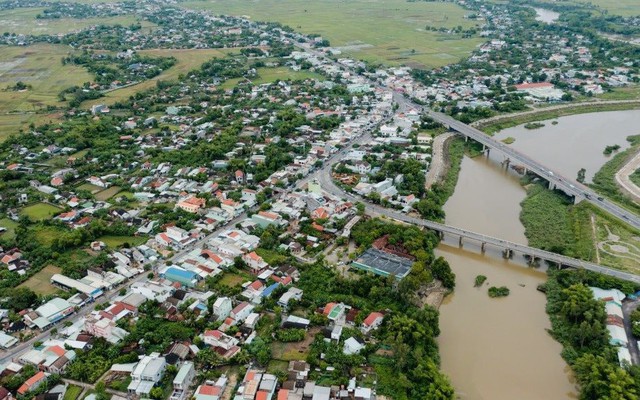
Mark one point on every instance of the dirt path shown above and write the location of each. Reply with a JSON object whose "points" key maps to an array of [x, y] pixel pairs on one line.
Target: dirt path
{"points": [[437, 167], [231, 387], [623, 177], [595, 237]]}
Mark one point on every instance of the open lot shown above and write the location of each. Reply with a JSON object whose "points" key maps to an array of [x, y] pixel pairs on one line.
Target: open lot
{"points": [[381, 31], [40, 211], [294, 351], [232, 280], [24, 21], [41, 282]]}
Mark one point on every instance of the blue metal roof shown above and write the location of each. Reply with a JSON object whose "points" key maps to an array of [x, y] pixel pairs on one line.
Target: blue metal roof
{"points": [[267, 292], [180, 273]]}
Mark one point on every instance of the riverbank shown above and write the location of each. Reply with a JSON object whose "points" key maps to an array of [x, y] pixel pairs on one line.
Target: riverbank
{"points": [[605, 180], [500, 122]]}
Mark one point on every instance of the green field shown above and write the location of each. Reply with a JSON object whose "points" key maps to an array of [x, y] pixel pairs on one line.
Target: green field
{"points": [[10, 225], [106, 194], [23, 21], [232, 280], [266, 75], [72, 392], [90, 188], [45, 235], [380, 31], [41, 282], [40, 67], [117, 241], [40, 211]]}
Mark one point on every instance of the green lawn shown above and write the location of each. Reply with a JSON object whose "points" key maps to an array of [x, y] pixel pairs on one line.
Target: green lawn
{"points": [[40, 211], [10, 225], [41, 284], [117, 241], [72, 392], [381, 31], [266, 75]]}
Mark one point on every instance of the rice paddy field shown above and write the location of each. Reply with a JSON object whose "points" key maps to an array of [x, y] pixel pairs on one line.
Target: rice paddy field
{"points": [[390, 31]]}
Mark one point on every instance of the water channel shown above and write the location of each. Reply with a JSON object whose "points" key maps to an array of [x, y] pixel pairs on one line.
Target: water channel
{"points": [[499, 349]]}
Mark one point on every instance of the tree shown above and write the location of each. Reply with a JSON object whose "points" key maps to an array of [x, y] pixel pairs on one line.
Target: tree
{"points": [[156, 393], [600, 379], [442, 271]]}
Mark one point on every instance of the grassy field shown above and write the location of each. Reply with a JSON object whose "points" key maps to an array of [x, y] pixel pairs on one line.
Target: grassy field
{"points": [[380, 31], [188, 60], [40, 211], [40, 67], [45, 235], [41, 284], [266, 75], [117, 241], [106, 194], [23, 21], [90, 188], [232, 280], [72, 392], [10, 225]]}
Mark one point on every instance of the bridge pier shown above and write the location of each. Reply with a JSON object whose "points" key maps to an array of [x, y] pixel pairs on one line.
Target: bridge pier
{"points": [[460, 241], [507, 253], [551, 186], [483, 247], [440, 235]]}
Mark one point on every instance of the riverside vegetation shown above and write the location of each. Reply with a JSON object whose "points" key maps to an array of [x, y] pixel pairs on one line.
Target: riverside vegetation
{"points": [[578, 323]]}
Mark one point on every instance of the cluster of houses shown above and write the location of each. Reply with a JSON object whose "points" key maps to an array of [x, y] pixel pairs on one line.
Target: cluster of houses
{"points": [[567, 61]]}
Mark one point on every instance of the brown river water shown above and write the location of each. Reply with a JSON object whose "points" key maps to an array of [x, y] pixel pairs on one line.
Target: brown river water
{"points": [[496, 349], [499, 349]]}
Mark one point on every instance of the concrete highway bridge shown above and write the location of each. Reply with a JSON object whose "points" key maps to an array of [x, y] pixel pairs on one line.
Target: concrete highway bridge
{"points": [[323, 176], [571, 187]]}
